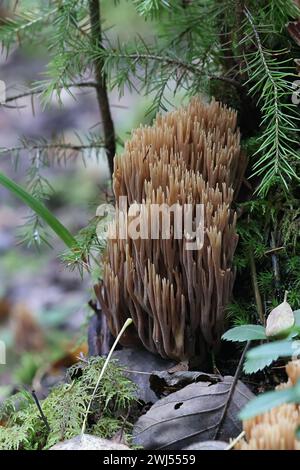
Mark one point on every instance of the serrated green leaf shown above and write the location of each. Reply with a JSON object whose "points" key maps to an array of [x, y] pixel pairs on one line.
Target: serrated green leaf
{"points": [[254, 365], [269, 400], [245, 333], [263, 355], [297, 317], [276, 349]]}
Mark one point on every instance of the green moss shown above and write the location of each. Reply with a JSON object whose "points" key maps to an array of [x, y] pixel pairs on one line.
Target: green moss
{"points": [[65, 408]]}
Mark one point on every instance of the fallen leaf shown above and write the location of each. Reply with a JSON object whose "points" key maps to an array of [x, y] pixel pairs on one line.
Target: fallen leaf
{"points": [[139, 364], [88, 442], [5, 310], [28, 334], [192, 415], [181, 366], [163, 382], [280, 319]]}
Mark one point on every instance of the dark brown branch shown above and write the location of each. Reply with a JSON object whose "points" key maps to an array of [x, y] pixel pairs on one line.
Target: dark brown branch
{"points": [[43, 417], [102, 95], [231, 391]]}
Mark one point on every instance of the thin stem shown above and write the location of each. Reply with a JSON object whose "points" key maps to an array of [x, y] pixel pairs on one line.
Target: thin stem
{"points": [[38, 91], [235, 441], [43, 417], [125, 326], [102, 95], [231, 391], [58, 146], [257, 295]]}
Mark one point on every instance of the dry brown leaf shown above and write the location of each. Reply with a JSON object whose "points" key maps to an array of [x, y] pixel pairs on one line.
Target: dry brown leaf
{"points": [[28, 334], [192, 415], [280, 319]]}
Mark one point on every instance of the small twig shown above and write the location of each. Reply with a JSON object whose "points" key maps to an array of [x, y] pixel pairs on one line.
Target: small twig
{"points": [[137, 372], [257, 295], [58, 146], [235, 441], [38, 91], [275, 265], [43, 417], [231, 391], [124, 424], [274, 250]]}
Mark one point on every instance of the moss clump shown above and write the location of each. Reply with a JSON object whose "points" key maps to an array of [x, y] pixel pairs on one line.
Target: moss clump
{"points": [[21, 426]]}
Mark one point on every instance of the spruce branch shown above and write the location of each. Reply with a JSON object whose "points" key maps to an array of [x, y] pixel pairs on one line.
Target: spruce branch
{"points": [[270, 84], [102, 95], [24, 23], [176, 62], [53, 146], [39, 90]]}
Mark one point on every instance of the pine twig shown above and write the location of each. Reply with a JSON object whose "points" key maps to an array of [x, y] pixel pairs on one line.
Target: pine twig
{"points": [[180, 64], [37, 91], [58, 146]]}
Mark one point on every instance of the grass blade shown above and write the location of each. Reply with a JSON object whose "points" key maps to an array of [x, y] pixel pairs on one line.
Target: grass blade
{"points": [[61, 231]]}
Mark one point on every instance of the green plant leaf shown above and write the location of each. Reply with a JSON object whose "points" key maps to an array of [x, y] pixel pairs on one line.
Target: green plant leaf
{"points": [[297, 318], [269, 400], [245, 333], [263, 355], [298, 433], [41, 210], [254, 365]]}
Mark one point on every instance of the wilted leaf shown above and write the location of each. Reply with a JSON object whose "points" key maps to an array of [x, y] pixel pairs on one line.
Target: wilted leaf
{"points": [[192, 415], [245, 333], [28, 334], [5, 310], [280, 319], [269, 400], [139, 365], [88, 442], [163, 382]]}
